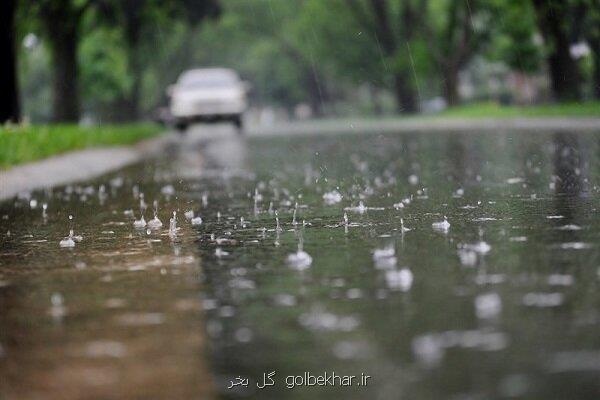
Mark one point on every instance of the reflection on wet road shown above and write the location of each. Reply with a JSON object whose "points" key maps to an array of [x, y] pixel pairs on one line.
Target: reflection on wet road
{"points": [[442, 265]]}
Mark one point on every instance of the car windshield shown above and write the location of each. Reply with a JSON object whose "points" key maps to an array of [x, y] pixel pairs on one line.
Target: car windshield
{"points": [[207, 80]]}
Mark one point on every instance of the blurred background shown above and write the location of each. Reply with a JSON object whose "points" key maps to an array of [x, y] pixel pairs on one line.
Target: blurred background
{"points": [[100, 61]]}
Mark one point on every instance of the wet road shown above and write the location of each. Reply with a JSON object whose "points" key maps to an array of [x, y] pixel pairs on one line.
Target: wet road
{"points": [[467, 267]]}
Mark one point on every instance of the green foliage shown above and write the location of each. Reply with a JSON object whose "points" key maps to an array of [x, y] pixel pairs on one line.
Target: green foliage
{"points": [[267, 43], [20, 144], [513, 36], [105, 77], [296, 51], [344, 45]]}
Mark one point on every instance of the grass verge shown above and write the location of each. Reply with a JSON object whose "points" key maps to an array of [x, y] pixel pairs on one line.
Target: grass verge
{"points": [[21, 144], [495, 110]]}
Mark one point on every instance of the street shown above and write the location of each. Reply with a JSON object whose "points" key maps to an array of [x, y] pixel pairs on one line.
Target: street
{"points": [[441, 265]]}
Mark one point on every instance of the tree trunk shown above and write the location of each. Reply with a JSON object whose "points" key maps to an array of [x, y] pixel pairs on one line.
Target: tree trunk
{"points": [[405, 95], [316, 95], [451, 86], [9, 98], [133, 23], [66, 74], [64, 38], [132, 103], [564, 75], [595, 47], [403, 90], [564, 72]]}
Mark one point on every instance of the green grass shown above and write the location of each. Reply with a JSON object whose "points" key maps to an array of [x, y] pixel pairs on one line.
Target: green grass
{"points": [[21, 144], [494, 110]]}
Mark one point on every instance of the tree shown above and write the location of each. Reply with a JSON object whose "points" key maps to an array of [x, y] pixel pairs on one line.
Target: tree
{"points": [[553, 23], [371, 42], [513, 37], [64, 25], [9, 100], [61, 21], [393, 29], [456, 30], [138, 18], [391, 44], [252, 34]]}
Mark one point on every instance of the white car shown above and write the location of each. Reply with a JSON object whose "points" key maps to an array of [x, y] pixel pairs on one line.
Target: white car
{"points": [[208, 95]]}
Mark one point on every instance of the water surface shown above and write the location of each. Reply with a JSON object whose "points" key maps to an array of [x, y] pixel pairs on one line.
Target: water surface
{"points": [[503, 304]]}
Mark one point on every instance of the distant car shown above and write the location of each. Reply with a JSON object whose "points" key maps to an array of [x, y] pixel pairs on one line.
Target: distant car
{"points": [[208, 95]]}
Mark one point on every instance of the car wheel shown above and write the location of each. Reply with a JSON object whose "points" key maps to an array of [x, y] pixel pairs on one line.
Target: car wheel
{"points": [[237, 121], [181, 127]]}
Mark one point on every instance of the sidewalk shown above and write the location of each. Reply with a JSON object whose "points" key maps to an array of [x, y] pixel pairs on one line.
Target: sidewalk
{"points": [[75, 166]]}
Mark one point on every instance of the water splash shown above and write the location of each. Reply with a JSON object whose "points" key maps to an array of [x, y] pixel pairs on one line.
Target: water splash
{"points": [[102, 194], [385, 258], [401, 280], [139, 223], [221, 253], [168, 190], [430, 348], [277, 243], [534, 299], [361, 209], [257, 199], [332, 197], [155, 223], [257, 196], [402, 227], [143, 204], [294, 222], [278, 227], [443, 226], [173, 225], [481, 248], [386, 252], [57, 308], [70, 240], [488, 305], [300, 260], [398, 205]]}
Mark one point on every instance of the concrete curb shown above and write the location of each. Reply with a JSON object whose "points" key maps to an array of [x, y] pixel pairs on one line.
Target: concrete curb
{"points": [[75, 166]]}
